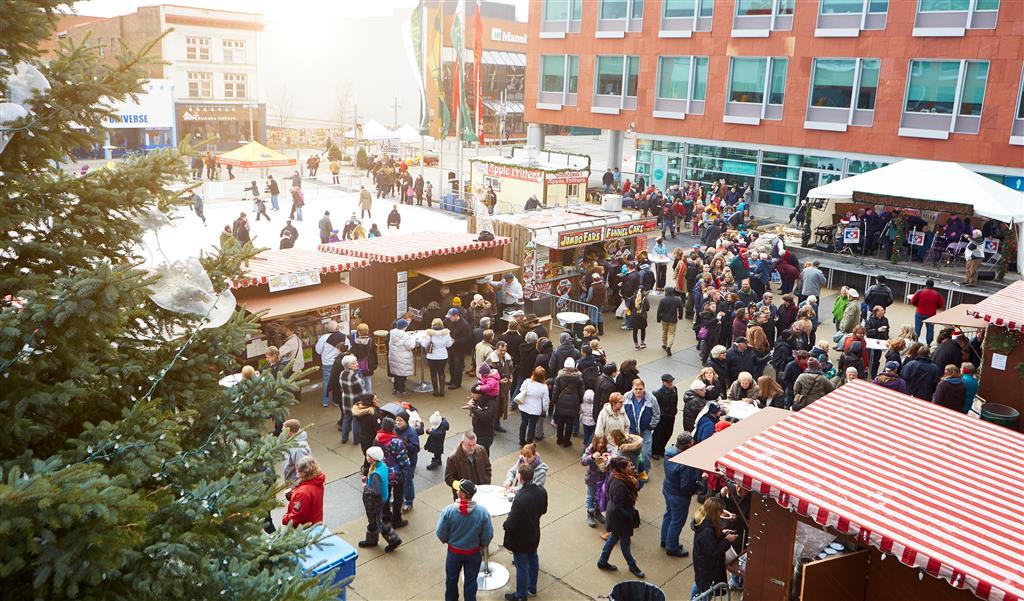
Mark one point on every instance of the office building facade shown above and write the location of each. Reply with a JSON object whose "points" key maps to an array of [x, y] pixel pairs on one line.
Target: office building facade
{"points": [[784, 94]]}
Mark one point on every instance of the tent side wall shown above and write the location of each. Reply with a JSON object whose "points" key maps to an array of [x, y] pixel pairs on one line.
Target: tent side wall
{"points": [[1002, 385]]}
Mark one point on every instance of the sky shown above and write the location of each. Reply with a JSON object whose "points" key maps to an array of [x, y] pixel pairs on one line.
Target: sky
{"points": [[318, 54]]}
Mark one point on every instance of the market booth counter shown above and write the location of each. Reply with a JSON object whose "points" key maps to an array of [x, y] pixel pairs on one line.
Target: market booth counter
{"points": [[872, 495], [407, 270], [302, 288], [1002, 372]]}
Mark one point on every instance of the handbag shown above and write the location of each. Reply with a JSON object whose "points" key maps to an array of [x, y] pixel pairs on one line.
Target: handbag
{"points": [[519, 398], [636, 518], [702, 334]]}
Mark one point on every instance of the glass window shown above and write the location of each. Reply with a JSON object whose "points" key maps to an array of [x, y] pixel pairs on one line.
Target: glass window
{"points": [[200, 85], [934, 6], [707, 7], [840, 7], [638, 10], [631, 76], [234, 85], [747, 80], [786, 7], [868, 83], [613, 9], [700, 78], [234, 51], [983, 5], [753, 7], [832, 82], [552, 73], [674, 77], [777, 91], [197, 49], [574, 73], [679, 8], [609, 75], [858, 166], [100, 47], [932, 87], [973, 95], [878, 6], [1020, 99], [556, 10]]}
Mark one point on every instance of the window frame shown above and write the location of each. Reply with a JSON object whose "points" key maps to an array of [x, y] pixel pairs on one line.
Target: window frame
{"points": [[732, 68], [236, 79], [202, 77], [958, 91], [196, 45], [690, 72], [227, 48], [624, 75]]}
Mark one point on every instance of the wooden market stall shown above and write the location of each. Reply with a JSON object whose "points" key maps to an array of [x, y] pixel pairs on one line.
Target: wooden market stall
{"points": [[302, 288], [872, 495], [407, 270], [1002, 374], [551, 243], [556, 179]]}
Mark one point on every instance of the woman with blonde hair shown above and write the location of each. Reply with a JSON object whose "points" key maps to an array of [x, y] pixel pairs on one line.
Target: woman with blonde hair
{"points": [[714, 390], [364, 349], [710, 543], [527, 456], [769, 393]]}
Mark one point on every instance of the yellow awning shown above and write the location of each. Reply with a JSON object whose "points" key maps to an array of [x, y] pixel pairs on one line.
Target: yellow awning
{"points": [[254, 154]]}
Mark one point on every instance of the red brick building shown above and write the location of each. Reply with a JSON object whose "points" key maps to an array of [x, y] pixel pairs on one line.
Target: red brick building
{"points": [[784, 94]]}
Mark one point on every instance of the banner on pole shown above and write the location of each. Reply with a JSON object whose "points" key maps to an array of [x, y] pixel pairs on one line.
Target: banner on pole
{"points": [[915, 238], [444, 116], [851, 235], [478, 59], [462, 120]]}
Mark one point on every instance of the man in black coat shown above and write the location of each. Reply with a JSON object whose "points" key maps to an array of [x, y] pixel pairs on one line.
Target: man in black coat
{"points": [[877, 328], [741, 358], [950, 352], [565, 349], [604, 388], [880, 294], [921, 375], [668, 402], [522, 534], [462, 336], [670, 311], [631, 283]]}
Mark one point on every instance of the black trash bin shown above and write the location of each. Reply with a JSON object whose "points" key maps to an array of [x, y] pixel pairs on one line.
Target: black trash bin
{"points": [[636, 590]]}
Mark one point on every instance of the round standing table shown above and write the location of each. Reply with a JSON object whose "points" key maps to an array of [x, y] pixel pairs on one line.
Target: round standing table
{"points": [[420, 356], [492, 575]]}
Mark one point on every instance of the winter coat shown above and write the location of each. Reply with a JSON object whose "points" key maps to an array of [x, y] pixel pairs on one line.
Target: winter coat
{"points": [[603, 388], [809, 387], [411, 438], [874, 328], [527, 359], [292, 457], [737, 392], [680, 480], [851, 317], [782, 354], [567, 393], [643, 414], [618, 517], [490, 384], [948, 353], [705, 427], [670, 309], [921, 376], [693, 403], [590, 369], [540, 472], [482, 415], [668, 402], [624, 381], [721, 371], [950, 393], [563, 352], [458, 467], [306, 505], [709, 549], [435, 438], [536, 399], [395, 455], [400, 358], [522, 526], [607, 420], [878, 295], [737, 361], [368, 418], [894, 383], [437, 343], [462, 335]]}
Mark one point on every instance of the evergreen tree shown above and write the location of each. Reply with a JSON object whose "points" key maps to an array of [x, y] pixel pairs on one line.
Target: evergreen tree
{"points": [[333, 152], [126, 470]]}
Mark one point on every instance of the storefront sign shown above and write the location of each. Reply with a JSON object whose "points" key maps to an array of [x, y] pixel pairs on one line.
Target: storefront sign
{"points": [[580, 237], [389, 146], [289, 281], [214, 112], [500, 35], [513, 172], [569, 177], [630, 229], [154, 109]]}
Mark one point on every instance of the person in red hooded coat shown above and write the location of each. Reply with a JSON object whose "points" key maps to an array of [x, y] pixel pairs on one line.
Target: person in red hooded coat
{"points": [[306, 501]]}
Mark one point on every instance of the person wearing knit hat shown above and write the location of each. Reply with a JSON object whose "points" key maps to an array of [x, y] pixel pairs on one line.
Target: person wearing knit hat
{"points": [[396, 456], [375, 496], [401, 361], [810, 385], [456, 302]]}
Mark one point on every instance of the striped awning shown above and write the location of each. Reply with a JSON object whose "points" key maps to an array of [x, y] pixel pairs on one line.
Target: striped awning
{"points": [[294, 260], [936, 489], [394, 248], [1004, 308]]}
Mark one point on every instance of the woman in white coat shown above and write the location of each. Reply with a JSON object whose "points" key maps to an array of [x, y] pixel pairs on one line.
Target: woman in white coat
{"points": [[532, 398], [612, 416], [437, 340], [401, 364]]}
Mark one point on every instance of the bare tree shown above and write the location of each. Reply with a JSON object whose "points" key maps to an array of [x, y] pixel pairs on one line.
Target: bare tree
{"points": [[284, 103], [343, 97]]}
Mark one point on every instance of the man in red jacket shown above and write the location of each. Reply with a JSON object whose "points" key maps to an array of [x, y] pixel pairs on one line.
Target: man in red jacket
{"points": [[306, 501], [928, 302]]}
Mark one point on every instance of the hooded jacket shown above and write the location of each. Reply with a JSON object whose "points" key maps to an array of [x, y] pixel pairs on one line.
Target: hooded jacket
{"points": [[307, 503], [540, 471], [291, 459], [643, 414], [892, 382], [411, 438], [527, 359], [921, 376], [435, 438], [950, 393], [437, 343], [395, 455], [607, 420], [565, 350], [489, 384], [692, 405], [400, 358], [680, 480], [709, 549], [567, 393]]}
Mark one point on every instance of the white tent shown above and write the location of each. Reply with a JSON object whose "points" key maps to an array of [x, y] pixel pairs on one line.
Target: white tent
{"points": [[936, 181], [408, 134], [375, 131]]}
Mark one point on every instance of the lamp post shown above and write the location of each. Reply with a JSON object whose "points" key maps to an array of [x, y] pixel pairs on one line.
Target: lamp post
{"points": [[250, 106]]}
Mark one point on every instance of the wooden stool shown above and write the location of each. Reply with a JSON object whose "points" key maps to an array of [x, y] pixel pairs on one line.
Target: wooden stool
{"points": [[380, 336]]}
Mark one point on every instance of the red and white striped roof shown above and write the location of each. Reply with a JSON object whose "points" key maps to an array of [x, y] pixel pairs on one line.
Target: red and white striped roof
{"points": [[1004, 308], [294, 260], [394, 248], [934, 488]]}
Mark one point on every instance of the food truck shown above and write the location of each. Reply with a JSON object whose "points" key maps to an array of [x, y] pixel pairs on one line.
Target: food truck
{"points": [[300, 287], [556, 179]]}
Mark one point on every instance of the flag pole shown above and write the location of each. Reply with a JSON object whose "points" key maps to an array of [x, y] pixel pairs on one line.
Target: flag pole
{"points": [[425, 107], [461, 59]]}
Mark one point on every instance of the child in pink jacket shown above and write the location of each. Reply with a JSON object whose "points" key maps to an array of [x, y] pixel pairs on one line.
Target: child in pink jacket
{"points": [[488, 381]]}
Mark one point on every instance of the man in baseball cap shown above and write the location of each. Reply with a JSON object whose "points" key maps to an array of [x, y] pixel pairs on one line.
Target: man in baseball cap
{"points": [[466, 528]]}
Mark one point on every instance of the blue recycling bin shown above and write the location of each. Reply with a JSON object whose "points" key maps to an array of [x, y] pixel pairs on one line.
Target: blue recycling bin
{"points": [[334, 560], [448, 202]]}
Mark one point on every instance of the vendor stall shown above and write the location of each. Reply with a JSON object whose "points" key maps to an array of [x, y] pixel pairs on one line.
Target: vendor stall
{"points": [[302, 288], [556, 179], [1002, 372], [551, 244], [928, 194], [407, 270], [254, 154], [872, 495]]}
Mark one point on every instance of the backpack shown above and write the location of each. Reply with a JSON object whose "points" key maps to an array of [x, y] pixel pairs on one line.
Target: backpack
{"points": [[601, 495]]}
